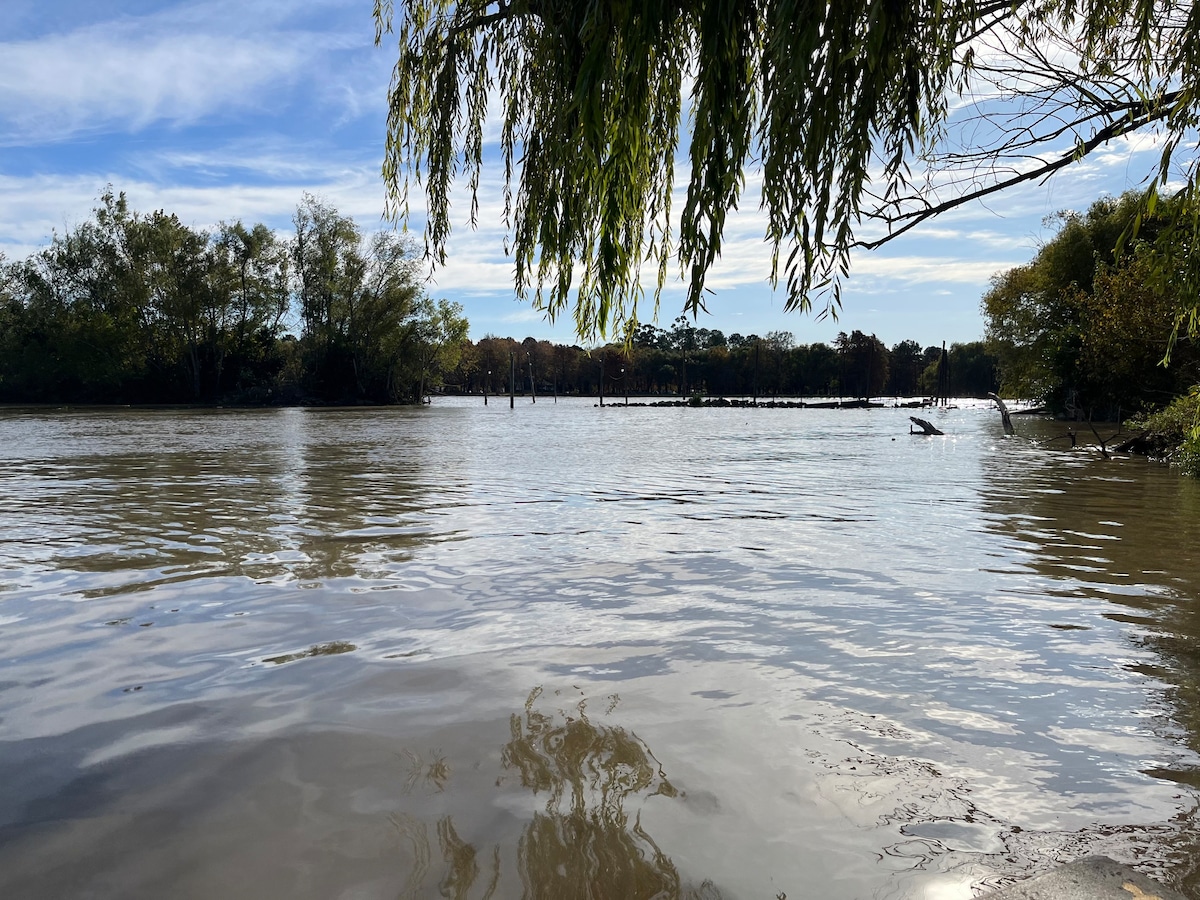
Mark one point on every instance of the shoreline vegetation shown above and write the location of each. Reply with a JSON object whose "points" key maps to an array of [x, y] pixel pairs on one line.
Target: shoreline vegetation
{"points": [[136, 309]]}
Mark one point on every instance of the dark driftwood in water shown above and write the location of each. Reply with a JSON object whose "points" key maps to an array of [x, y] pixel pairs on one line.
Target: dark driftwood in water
{"points": [[1008, 425], [926, 427], [1069, 436], [1145, 444], [1102, 441]]}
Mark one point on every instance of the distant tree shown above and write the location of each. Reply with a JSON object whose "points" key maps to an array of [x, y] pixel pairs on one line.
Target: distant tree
{"points": [[817, 369], [252, 265], [864, 362], [187, 309], [329, 269], [972, 370], [363, 310], [434, 340], [904, 370], [648, 335], [84, 330], [684, 335], [494, 354], [1067, 322], [144, 308], [778, 345]]}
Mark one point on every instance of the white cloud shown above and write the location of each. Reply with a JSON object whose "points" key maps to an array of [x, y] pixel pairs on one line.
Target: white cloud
{"points": [[33, 207], [92, 79], [922, 270], [182, 65]]}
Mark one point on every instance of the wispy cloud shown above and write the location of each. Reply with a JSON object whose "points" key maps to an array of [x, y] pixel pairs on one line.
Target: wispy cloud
{"points": [[33, 207], [177, 67], [92, 79]]}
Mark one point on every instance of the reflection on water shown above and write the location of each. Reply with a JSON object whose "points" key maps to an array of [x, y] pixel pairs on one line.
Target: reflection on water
{"points": [[581, 843], [329, 649], [277, 654], [256, 496], [1077, 528]]}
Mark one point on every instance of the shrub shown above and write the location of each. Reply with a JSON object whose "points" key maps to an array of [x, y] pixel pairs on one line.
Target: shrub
{"points": [[1173, 433]]}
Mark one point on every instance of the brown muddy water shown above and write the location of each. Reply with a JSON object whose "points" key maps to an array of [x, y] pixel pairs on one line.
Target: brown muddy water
{"points": [[565, 652]]}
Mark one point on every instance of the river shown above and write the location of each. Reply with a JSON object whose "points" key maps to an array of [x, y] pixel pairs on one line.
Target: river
{"points": [[562, 651]]}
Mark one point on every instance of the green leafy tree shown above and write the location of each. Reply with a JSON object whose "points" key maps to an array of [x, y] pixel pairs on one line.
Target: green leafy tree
{"points": [[905, 368], [1125, 322], [835, 103], [330, 270], [816, 369], [864, 364], [433, 345], [1083, 326], [143, 308], [82, 320], [185, 313], [252, 270], [972, 370], [367, 326], [778, 344]]}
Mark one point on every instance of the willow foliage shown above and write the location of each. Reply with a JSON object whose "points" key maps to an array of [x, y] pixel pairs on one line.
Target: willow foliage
{"points": [[831, 102]]}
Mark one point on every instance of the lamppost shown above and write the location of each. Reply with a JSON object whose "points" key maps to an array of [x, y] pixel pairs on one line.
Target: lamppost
{"points": [[625, 385], [486, 385]]}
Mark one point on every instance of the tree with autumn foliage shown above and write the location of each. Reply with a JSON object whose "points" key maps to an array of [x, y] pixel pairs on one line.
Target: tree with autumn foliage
{"points": [[1086, 324]]}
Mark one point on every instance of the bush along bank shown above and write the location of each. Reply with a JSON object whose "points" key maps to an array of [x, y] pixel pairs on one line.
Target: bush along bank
{"points": [[1171, 434]]}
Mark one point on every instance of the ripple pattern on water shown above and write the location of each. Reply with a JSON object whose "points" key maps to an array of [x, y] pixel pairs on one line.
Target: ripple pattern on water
{"points": [[931, 662]]}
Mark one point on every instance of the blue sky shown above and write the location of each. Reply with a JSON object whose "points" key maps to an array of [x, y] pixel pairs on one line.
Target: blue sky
{"points": [[221, 110]]}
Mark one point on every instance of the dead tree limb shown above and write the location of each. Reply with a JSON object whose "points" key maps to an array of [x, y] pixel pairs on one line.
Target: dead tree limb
{"points": [[1008, 425], [926, 427]]}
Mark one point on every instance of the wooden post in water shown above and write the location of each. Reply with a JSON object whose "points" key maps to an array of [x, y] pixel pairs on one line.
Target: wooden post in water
{"points": [[947, 352], [532, 386], [943, 374], [486, 384], [757, 348], [512, 380], [601, 379]]}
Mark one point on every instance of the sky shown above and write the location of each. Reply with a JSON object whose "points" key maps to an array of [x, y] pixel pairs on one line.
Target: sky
{"points": [[218, 110]]}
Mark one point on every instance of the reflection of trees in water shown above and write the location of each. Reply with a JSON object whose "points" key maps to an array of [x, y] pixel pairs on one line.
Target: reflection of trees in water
{"points": [[584, 842], [462, 869], [287, 495], [1123, 534]]}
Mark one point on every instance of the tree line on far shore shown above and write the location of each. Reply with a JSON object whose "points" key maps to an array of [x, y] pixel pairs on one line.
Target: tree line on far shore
{"points": [[686, 360], [128, 307], [135, 308]]}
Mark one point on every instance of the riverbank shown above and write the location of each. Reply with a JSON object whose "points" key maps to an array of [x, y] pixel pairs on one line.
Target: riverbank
{"points": [[1092, 878], [1171, 434]]}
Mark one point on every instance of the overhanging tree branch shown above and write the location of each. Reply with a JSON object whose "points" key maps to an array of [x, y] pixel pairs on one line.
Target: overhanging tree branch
{"points": [[829, 100], [1109, 132]]}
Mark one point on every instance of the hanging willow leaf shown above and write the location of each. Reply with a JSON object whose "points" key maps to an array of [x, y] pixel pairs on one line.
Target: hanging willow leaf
{"points": [[832, 101]]}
